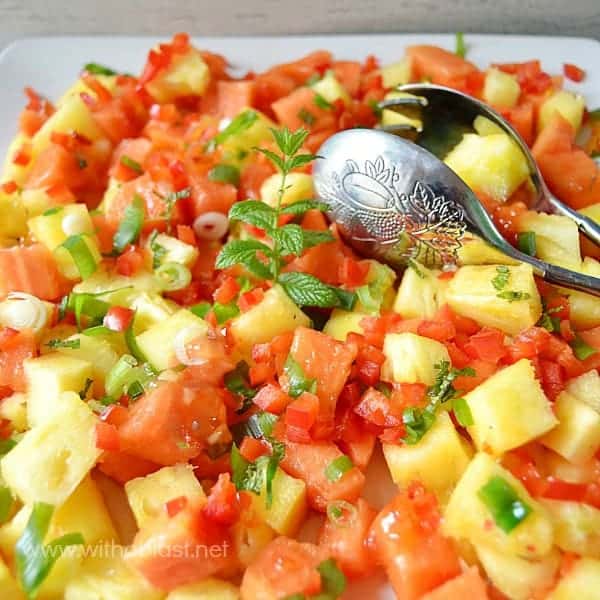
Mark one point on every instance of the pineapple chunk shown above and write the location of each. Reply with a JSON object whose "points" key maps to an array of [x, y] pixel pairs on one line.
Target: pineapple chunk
{"points": [[576, 526], [66, 264], [298, 186], [110, 578], [466, 515], [585, 308], [8, 584], [437, 460], [14, 410], [586, 388], [560, 468], [12, 171], [237, 147], [518, 578], [496, 403], [250, 534], [406, 117], [174, 250], [147, 495], [274, 315], [108, 81], [288, 508], [48, 376], [474, 251], [209, 589], [421, 293], [471, 293], [12, 216], [49, 229], [397, 73], [186, 75], [342, 322], [501, 89], [330, 89], [412, 358], [568, 105], [158, 343], [582, 582], [52, 459], [36, 201], [151, 309], [492, 164], [556, 238], [577, 436], [484, 126]]}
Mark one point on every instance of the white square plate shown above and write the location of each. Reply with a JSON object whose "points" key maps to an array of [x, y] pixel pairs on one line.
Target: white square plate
{"points": [[50, 65]]}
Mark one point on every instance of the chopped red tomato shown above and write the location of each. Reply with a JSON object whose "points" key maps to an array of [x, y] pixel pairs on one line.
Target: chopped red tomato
{"points": [[15, 347]]}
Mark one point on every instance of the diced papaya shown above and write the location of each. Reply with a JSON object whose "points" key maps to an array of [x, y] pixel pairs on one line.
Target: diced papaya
{"points": [[299, 109], [348, 73], [439, 65], [468, 584], [14, 349], [557, 136], [123, 467], [234, 96]]}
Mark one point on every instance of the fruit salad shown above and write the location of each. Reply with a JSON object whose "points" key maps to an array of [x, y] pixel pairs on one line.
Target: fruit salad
{"points": [[206, 394]]}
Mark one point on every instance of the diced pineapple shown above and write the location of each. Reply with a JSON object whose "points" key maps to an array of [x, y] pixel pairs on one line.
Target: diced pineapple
{"points": [[516, 577], [250, 534], [288, 507], [421, 293], [405, 117], [492, 164], [474, 251], [556, 238], [108, 81], [148, 495], [466, 515], [437, 460], [576, 526], [397, 73], [12, 530], [274, 315], [12, 171], [299, 186], [592, 211], [151, 309], [52, 459], [174, 250], [500, 89], [568, 105], [577, 435], [239, 146], [158, 343], [330, 89], [581, 582], [586, 388], [49, 229], [512, 391], [8, 584], [110, 578], [36, 201], [342, 322], [12, 216], [48, 376], [209, 589], [186, 75], [484, 126], [560, 468], [584, 309], [412, 358], [112, 188], [14, 410], [471, 293]]}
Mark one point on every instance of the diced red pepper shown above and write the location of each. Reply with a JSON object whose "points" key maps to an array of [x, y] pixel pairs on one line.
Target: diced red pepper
{"points": [[227, 291], [176, 505], [302, 412], [118, 318], [271, 398], [251, 448], [250, 299], [573, 72], [487, 344]]}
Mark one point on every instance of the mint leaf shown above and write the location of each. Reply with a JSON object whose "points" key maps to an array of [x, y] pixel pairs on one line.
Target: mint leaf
{"points": [[254, 212], [244, 252], [289, 142], [290, 239], [131, 225], [301, 206], [300, 160], [307, 290]]}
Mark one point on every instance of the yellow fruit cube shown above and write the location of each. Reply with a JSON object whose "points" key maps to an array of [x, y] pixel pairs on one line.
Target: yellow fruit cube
{"points": [[500, 89], [421, 293], [498, 296], [584, 308], [36, 202], [14, 410], [298, 186], [52, 459], [582, 582], [491, 164], [512, 391], [237, 147], [288, 507], [274, 315], [568, 105], [174, 250], [53, 229], [148, 495], [330, 89], [437, 460], [8, 584], [467, 516], [560, 468], [108, 81], [342, 322], [48, 376], [13, 216], [406, 116], [158, 343], [576, 526], [516, 577], [484, 126], [186, 75], [586, 388], [12, 171], [397, 73], [577, 435], [474, 251], [150, 309], [250, 534], [412, 358], [556, 238], [209, 589], [118, 289]]}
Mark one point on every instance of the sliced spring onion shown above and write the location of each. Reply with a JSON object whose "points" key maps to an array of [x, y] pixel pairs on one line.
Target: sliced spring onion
{"points": [[346, 298], [6, 503], [462, 412], [224, 312], [128, 162], [333, 581], [581, 349], [134, 348], [52, 211], [526, 240], [97, 330], [97, 69], [225, 174], [340, 509], [322, 103], [86, 388], [121, 376], [131, 225], [240, 123], [81, 254], [460, 48], [57, 343], [366, 299], [211, 225], [173, 276], [89, 305], [503, 502], [201, 309], [336, 468], [23, 311], [237, 381], [6, 446], [297, 380], [135, 390], [259, 425]]}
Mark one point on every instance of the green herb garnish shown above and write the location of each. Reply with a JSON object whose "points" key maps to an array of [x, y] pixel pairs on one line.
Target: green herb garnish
{"points": [[503, 502]]}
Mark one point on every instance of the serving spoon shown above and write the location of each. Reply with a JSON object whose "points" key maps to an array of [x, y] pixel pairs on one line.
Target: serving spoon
{"points": [[395, 201], [448, 114]]}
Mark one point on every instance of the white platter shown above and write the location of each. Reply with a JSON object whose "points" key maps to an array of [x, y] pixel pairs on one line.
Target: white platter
{"points": [[51, 64]]}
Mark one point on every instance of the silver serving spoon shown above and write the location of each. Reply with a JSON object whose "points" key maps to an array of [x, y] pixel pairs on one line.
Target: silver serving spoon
{"points": [[395, 201], [448, 114]]}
